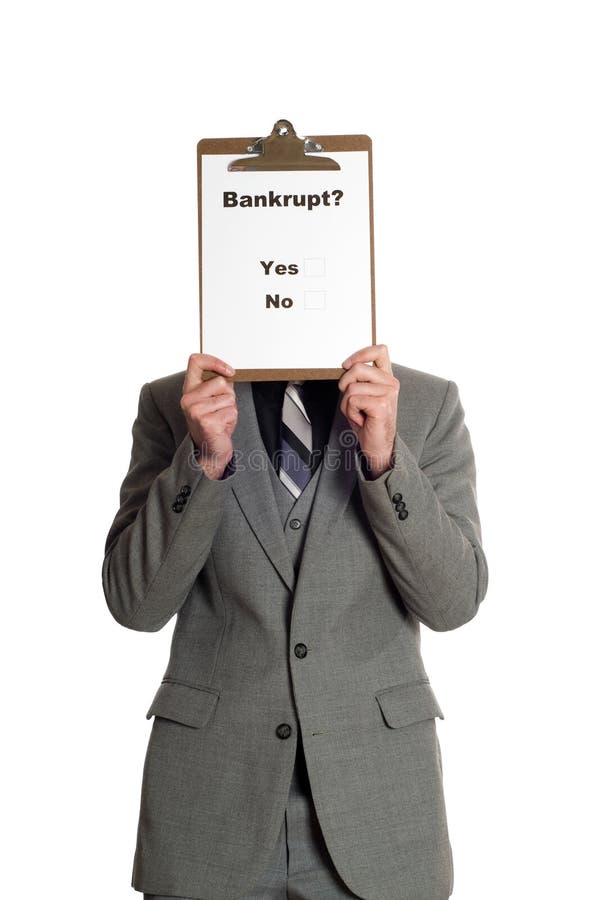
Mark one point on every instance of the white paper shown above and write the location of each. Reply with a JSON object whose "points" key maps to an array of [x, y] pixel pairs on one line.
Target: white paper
{"points": [[314, 317]]}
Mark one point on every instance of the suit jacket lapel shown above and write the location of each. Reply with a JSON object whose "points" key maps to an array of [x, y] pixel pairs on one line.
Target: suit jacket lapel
{"points": [[252, 487], [254, 493]]}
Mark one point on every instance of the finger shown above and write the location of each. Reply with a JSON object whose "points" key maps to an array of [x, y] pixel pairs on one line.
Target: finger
{"points": [[361, 372], [198, 363], [219, 384], [351, 413], [219, 420], [211, 388], [368, 389], [376, 353], [203, 408], [198, 396], [376, 406]]}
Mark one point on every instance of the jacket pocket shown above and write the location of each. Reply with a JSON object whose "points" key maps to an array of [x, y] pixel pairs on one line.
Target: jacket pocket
{"points": [[404, 704], [183, 703]]}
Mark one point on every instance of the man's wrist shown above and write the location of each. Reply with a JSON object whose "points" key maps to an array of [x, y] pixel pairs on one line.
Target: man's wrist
{"points": [[216, 467], [219, 472], [372, 467]]}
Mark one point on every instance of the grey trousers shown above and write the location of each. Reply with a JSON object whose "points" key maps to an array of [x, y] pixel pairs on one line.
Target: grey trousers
{"points": [[301, 867]]}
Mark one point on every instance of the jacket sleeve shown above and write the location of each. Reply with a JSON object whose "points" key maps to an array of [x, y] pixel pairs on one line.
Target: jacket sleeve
{"points": [[425, 519], [168, 515]]}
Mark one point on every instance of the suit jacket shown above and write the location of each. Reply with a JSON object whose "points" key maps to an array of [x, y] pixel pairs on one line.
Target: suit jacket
{"points": [[380, 558]]}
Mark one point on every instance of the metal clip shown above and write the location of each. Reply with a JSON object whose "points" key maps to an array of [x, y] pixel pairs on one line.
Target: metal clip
{"points": [[283, 151]]}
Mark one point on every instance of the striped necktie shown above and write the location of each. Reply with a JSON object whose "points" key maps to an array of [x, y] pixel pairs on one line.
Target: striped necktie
{"points": [[295, 441]]}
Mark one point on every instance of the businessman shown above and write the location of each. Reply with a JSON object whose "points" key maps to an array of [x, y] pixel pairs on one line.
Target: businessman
{"points": [[301, 532]]}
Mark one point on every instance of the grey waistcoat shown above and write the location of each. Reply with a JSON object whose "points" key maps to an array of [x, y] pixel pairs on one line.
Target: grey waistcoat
{"points": [[294, 514]]}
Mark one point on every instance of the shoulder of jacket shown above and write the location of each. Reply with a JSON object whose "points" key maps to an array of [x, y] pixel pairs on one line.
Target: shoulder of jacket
{"points": [[425, 385], [421, 395], [167, 391], [421, 398]]}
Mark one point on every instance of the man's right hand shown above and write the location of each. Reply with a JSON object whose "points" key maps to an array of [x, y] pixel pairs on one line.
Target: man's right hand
{"points": [[211, 411]]}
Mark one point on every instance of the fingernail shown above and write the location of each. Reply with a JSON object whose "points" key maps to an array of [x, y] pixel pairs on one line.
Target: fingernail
{"points": [[230, 370]]}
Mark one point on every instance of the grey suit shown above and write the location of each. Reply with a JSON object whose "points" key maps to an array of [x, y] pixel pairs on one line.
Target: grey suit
{"points": [[263, 656]]}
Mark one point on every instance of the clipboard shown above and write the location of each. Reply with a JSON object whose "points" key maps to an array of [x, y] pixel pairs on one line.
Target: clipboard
{"points": [[234, 206]]}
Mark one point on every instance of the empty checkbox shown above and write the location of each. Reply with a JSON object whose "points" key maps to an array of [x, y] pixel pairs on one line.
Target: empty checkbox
{"points": [[314, 267], [315, 299]]}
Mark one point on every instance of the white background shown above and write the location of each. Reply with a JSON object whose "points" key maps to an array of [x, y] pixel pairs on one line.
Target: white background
{"points": [[485, 119]]}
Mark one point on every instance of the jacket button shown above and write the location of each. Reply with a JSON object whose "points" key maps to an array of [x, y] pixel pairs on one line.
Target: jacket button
{"points": [[294, 524], [181, 499], [403, 514], [300, 650], [177, 507], [185, 490], [397, 497], [284, 730]]}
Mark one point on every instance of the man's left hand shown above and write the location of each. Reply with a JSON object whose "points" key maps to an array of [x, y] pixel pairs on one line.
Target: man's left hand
{"points": [[370, 404]]}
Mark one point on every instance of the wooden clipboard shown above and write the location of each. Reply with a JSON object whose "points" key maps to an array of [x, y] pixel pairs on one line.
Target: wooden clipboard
{"points": [[283, 152]]}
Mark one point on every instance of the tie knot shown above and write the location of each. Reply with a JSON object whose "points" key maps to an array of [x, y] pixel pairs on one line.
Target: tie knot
{"points": [[299, 387]]}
